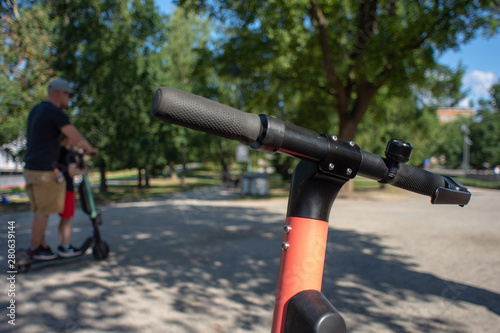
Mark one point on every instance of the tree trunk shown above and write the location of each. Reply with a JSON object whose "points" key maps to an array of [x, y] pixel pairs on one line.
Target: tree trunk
{"points": [[222, 159], [104, 186], [173, 173], [183, 175], [139, 178], [146, 177], [347, 128], [350, 120]]}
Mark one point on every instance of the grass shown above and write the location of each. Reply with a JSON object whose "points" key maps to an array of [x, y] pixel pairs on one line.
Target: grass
{"points": [[365, 184], [478, 183], [127, 189]]}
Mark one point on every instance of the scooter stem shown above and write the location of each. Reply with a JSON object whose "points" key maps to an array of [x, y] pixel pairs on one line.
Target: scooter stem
{"points": [[306, 231]]}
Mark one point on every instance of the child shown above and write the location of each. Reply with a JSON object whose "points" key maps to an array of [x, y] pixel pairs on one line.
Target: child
{"points": [[68, 166]]}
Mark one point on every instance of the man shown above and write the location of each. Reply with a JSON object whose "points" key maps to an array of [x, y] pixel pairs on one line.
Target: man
{"points": [[45, 185]]}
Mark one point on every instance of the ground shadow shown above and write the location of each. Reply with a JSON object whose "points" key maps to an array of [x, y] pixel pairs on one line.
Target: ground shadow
{"points": [[204, 258]]}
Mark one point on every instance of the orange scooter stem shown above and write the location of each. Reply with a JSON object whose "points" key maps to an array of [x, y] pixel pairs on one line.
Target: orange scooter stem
{"points": [[302, 263]]}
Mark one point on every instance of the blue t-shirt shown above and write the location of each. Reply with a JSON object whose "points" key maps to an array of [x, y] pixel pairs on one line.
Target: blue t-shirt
{"points": [[44, 136]]}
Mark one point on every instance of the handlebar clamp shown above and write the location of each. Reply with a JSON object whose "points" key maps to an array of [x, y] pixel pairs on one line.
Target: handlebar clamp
{"points": [[343, 158]]}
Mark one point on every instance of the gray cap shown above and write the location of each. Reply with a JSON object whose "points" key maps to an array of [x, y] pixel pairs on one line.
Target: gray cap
{"points": [[60, 85]]}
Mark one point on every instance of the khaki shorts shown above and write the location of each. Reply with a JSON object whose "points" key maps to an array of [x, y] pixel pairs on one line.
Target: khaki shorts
{"points": [[45, 193]]}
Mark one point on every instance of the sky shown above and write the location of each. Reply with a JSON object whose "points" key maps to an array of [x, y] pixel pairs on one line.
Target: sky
{"points": [[481, 58]]}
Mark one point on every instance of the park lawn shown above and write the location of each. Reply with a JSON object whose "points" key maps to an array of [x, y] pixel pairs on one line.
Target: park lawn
{"points": [[123, 187]]}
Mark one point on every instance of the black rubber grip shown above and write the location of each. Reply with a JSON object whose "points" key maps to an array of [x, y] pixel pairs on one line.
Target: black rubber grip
{"points": [[201, 114], [417, 180]]}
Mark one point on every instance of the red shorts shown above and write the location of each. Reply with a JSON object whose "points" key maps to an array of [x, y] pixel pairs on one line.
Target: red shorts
{"points": [[69, 205]]}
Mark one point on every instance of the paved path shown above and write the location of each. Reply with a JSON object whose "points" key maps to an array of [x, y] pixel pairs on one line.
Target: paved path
{"points": [[202, 262]]}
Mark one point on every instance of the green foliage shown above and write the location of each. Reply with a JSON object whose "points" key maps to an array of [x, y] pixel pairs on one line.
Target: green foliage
{"points": [[25, 65], [110, 53], [329, 66], [485, 132], [399, 118], [340, 52], [442, 87], [117, 53], [485, 136], [449, 143], [187, 36], [495, 96]]}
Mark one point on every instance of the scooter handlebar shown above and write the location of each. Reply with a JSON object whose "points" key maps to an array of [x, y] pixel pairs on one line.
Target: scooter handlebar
{"points": [[442, 190], [273, 135], [417, 180], [201, 114]]}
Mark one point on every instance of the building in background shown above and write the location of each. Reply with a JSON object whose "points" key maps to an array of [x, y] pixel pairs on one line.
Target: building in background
{"points": [[448, 114]]}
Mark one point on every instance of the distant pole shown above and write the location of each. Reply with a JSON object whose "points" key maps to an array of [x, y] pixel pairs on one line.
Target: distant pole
{"points": [[466, 149]]}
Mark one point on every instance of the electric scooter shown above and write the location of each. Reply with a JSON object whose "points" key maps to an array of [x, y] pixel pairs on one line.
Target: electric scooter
{"points": [[100, 249], [327, 163]]}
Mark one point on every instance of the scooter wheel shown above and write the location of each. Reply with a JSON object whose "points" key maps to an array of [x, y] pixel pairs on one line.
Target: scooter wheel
{"points": [[101, 250], [23, 261]]}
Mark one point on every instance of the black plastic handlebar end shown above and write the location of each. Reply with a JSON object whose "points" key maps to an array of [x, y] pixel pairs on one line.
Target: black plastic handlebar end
{"points": [[449, 196], [201, 114], [452, 193]]}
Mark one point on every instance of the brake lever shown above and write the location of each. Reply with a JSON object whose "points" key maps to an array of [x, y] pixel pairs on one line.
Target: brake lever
{"points": [[453, 193]]}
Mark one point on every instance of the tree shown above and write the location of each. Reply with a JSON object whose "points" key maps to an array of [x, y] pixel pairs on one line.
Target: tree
{"points": [[25, 65], [117, 53], [420, 127], [449, 143], [417, 113], [485, 137], [187, 38], [343, 52], [442, 88], [109, 48], [494, 102], [485, 132]]}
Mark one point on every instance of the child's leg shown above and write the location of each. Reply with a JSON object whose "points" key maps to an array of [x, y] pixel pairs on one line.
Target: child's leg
{"points": [[66, 223], [65, 226]]}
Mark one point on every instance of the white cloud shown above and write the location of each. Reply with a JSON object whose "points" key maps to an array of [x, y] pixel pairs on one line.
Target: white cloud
{"points": [[465, 103], [479, 82]]}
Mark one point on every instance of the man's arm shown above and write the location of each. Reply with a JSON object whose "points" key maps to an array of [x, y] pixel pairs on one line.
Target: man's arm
{"points": [[77, 139]]}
